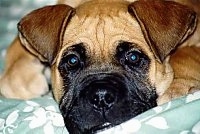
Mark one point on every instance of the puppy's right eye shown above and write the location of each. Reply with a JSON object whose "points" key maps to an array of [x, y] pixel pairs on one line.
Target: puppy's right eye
{"points": [[73, 59], [71, 62]]}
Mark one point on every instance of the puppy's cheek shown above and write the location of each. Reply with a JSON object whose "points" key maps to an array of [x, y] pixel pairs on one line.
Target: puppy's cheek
{"points": [[57, 83], [163, 75]]}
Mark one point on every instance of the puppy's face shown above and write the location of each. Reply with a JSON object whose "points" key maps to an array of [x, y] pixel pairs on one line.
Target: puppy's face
{"points": [[104, 67], [108, 60]]}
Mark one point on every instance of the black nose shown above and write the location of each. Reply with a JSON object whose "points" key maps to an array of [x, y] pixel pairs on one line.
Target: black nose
{"points": [[101, 95], [102, 98]]}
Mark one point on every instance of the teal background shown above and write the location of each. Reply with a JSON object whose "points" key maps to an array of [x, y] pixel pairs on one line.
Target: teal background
{"points": [[10, 13]]}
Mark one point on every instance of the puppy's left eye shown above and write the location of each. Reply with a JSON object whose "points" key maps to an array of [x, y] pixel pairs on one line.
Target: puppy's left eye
{"points": [[133, 58]]}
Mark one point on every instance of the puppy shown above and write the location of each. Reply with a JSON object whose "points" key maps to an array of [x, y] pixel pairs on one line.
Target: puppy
{"points": [[110, 60]]}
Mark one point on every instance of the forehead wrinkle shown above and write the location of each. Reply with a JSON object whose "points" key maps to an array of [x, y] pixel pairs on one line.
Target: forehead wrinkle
{"points": [[93, 10], [123, 30], [79, 30], [96, 32], [73, 31], [100, 33], [82, 21], [103, 36]]}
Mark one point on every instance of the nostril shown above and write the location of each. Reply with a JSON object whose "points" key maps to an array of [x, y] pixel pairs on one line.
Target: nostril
{"points": [[102, 99], [95, 99], [109, 98]]}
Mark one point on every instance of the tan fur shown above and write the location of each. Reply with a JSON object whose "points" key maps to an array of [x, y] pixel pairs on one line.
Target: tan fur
{"points": [[22, 78], [171, 77]]}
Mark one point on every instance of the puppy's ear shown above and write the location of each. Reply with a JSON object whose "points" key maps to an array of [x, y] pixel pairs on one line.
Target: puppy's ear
{"points": [[42, 31], [165, 24]]}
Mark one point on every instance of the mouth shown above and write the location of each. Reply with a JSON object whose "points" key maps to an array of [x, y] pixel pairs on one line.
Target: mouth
{"points": [[99, 128]]}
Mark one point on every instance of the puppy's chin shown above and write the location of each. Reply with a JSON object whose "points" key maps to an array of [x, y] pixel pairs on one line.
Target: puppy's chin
{"points": [[104, 100]]}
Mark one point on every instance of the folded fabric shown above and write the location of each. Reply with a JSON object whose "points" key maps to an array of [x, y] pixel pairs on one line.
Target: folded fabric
{"points": [[36, 116], [42, 116]]}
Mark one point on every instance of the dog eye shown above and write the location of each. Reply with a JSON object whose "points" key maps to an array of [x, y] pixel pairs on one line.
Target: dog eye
{"points": [[73, 59], [71, 62], [133, 58]]}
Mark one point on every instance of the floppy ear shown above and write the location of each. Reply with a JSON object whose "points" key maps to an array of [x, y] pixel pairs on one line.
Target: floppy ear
{"points": [[41, 31], [165, 24]]}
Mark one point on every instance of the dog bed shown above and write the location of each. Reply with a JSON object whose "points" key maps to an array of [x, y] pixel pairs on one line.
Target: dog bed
{"points": [[41, 115]]}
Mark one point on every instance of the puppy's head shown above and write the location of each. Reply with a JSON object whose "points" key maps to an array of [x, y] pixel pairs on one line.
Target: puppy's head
{"points": [[108, 58]]}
